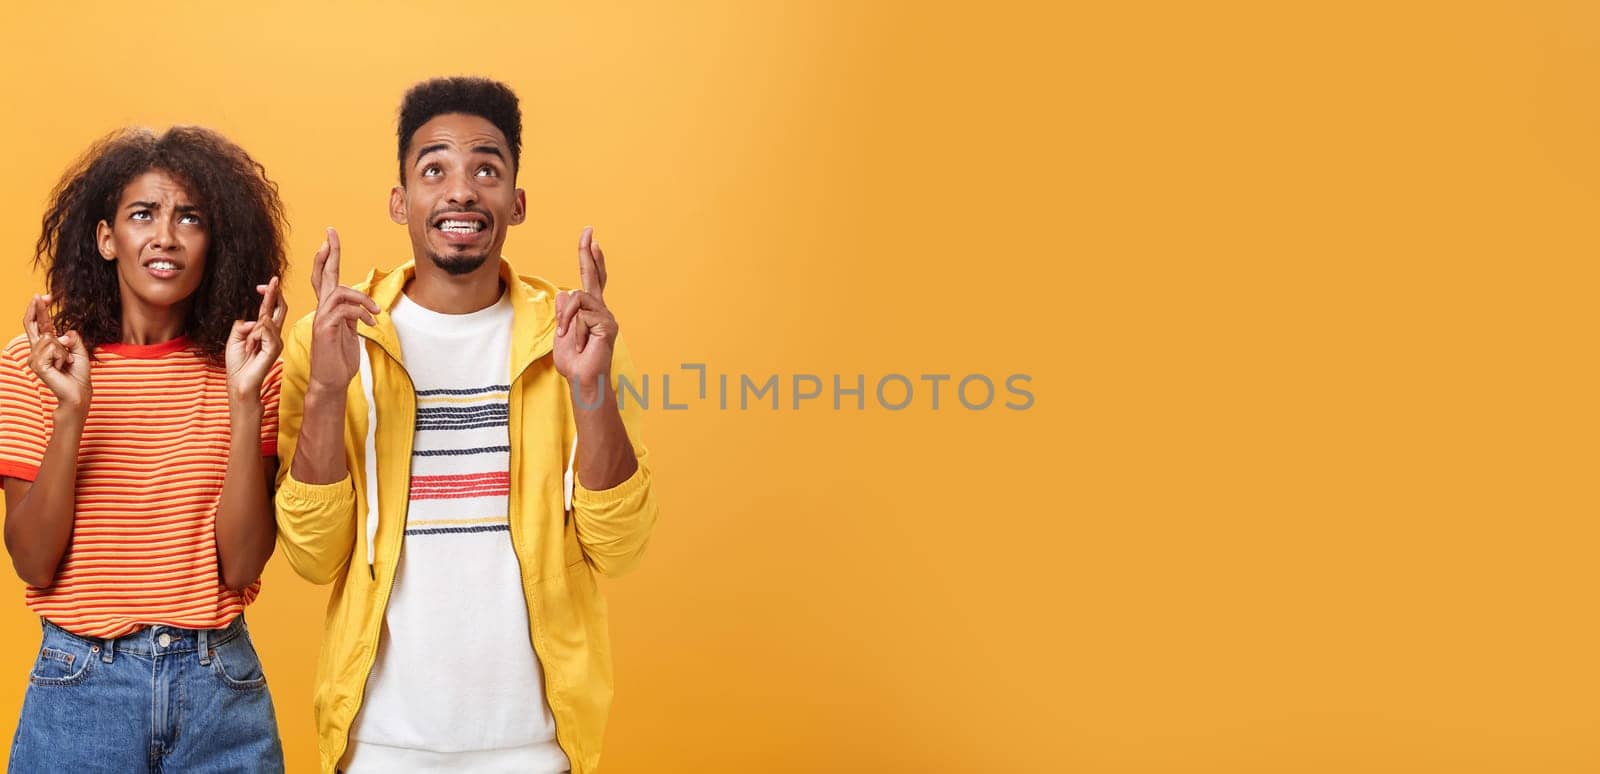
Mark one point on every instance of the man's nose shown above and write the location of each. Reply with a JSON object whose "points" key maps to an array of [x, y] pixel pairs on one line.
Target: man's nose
{"points": [[462, 192]]}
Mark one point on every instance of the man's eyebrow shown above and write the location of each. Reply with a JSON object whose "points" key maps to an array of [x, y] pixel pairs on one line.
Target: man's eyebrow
{"points": [[142, 206], [492, 150], [427, 149]]}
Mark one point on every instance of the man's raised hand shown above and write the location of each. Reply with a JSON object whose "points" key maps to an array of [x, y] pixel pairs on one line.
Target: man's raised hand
{"points": [[335, 346], [586, 330]]}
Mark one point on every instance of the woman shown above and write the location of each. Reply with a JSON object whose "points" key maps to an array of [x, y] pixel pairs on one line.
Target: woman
{"points": [[138, 433]]}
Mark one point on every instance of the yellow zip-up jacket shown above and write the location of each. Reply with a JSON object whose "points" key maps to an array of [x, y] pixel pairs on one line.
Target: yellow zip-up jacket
{"points": [[324, 529]]}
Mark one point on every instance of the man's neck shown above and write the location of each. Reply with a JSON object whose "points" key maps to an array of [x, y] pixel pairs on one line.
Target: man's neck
{"points": [[440, 291]]}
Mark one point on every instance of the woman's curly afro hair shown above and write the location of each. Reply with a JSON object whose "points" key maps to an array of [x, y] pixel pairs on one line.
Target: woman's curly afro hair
{"points": [[245, 231]]}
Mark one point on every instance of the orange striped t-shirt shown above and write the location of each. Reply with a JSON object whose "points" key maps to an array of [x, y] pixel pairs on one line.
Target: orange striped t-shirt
{"points": [[150, 468]]}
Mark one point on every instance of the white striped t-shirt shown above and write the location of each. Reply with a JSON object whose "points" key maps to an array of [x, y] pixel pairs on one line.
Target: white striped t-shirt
{"points": [[456, 685]]}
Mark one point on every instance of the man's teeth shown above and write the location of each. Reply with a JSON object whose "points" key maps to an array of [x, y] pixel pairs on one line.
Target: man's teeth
{"points": [[461, 226], [163, 266]]}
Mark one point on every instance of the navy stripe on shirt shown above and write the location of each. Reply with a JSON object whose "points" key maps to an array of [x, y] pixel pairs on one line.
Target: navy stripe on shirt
{"points": [[459, 452], [459, 530], [459, 425], [492, 408], [472, 391]]}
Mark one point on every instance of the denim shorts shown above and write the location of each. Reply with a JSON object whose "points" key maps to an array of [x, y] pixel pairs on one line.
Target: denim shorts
{"points": [[162, 699]]}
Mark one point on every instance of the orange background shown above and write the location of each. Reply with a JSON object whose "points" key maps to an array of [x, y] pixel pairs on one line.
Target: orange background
{"points": [[1304, 290]]}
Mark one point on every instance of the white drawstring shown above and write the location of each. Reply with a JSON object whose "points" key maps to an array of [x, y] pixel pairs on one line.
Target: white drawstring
{"points": [[567, 478], [370, 461]]}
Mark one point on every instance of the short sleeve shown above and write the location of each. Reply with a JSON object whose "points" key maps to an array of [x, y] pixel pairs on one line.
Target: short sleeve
{"points": [[24, 426], [271, 387]]}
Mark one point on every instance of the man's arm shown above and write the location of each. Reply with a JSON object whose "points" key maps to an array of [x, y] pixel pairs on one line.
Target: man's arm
{"points": [[605, 457], [316, 499], [612, 504], [316, 521]]}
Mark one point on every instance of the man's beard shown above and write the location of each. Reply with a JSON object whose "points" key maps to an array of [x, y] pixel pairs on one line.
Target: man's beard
{"points": [[458, 265]]}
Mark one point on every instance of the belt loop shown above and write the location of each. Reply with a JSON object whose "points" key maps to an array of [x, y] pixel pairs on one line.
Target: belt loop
{"points": [[107, 648], [203, 640]]}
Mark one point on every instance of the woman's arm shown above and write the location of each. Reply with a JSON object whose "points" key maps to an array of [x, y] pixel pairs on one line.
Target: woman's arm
{"points": [[39, 513], [246, 530]]}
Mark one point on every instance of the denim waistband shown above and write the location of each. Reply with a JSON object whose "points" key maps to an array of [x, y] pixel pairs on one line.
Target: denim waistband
{"points": [[156, 640]]}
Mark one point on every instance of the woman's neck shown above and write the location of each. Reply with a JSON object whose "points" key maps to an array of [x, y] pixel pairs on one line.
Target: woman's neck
{"points": [[143, 324]]}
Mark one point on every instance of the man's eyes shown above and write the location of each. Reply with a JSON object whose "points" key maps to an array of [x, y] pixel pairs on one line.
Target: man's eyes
{"points": [[483, 171]]}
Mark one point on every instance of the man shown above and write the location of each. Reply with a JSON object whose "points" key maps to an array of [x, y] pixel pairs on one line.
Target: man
{"points": [[431, 420]]}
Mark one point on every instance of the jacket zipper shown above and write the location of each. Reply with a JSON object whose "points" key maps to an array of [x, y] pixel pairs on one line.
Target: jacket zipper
{"points": [[386, 589], [533, 637]]}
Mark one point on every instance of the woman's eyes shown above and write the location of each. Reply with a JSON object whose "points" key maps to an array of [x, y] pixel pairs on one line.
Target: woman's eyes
{"points": [[187, 219]]}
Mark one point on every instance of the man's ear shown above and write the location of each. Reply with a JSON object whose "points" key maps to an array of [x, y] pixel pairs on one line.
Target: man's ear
{"points": [[519, 208], [397, 204], [102, 235]]}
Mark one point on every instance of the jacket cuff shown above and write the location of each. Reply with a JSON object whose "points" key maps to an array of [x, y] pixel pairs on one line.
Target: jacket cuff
{"points": [[335, 493], [631, 486]]}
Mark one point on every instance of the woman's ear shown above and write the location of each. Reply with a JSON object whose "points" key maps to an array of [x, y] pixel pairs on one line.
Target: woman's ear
{"points": [[102, 235]]}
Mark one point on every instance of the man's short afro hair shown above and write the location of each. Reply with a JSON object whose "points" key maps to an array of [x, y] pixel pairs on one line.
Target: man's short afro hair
{"points": [[490, 100]]}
